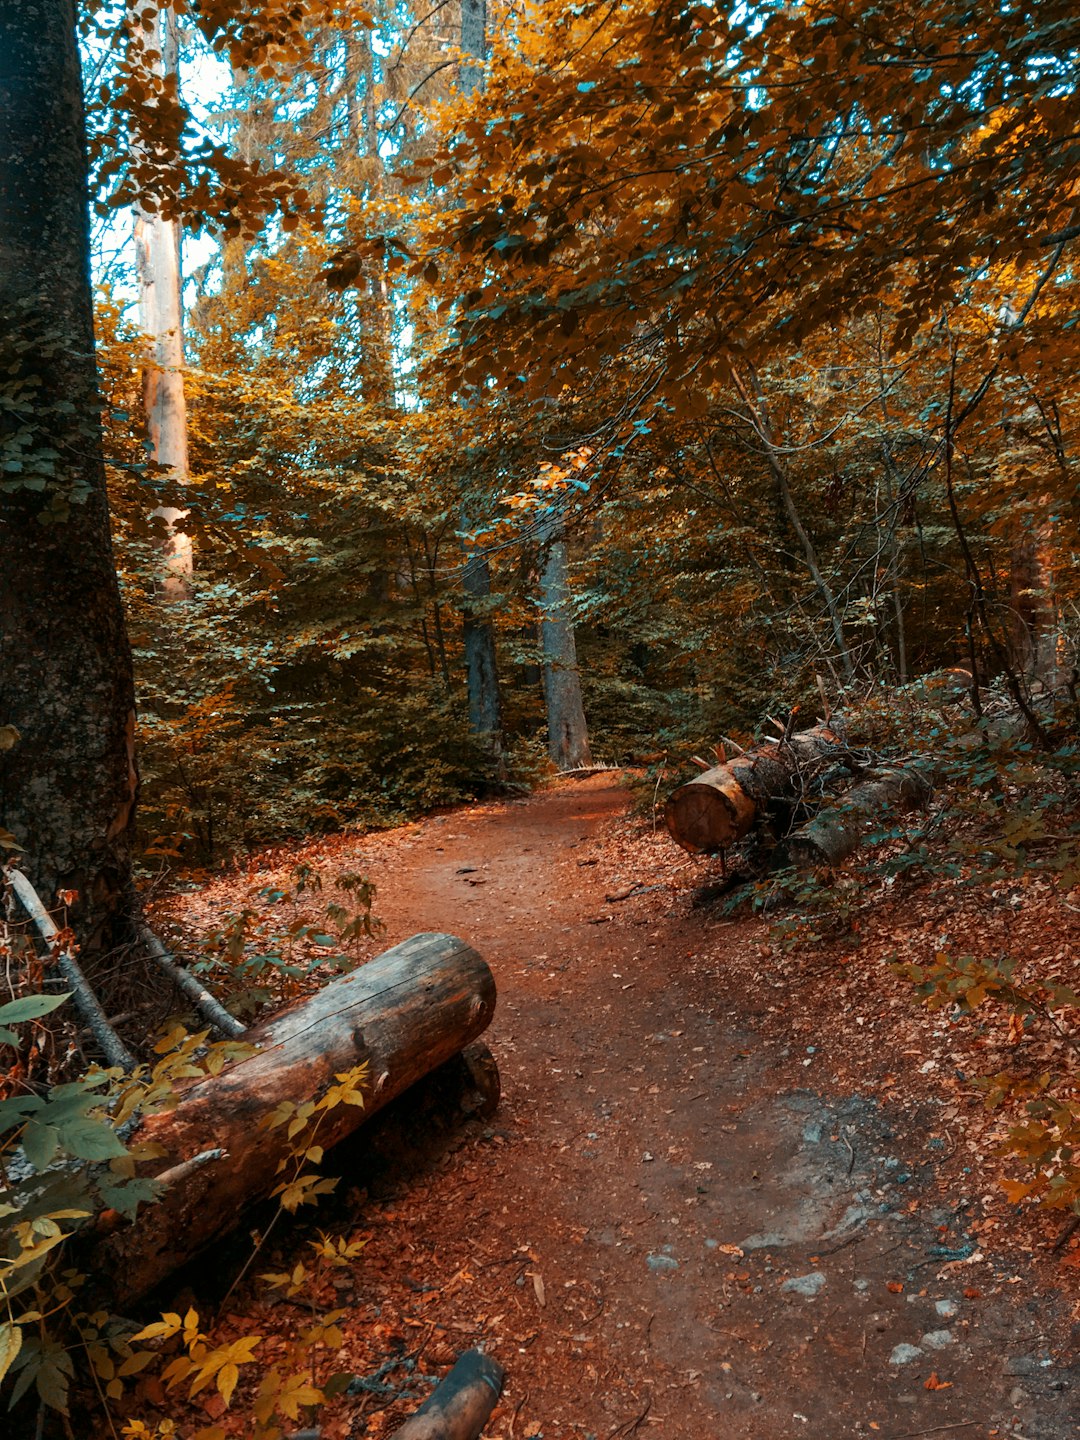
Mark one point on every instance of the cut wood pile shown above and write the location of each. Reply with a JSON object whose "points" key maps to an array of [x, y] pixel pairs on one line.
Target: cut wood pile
{"points": [[814, 797]]}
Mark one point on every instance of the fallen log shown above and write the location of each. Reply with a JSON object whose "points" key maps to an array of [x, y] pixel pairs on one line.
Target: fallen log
{"points": [[403, 1015], [835, 832], [459, 1406], [720, 806]]}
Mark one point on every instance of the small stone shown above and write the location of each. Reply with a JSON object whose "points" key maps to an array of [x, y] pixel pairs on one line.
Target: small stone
{"points": [[646, 1156], [904, 1354], [808, 1285], [862, 1285], [1017, 1396], [946, 1308], [661, 1262], [1022, 1365], [937, 1339]]}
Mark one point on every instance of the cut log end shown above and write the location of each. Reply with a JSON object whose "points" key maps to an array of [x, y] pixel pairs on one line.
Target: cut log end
{"points": [[718, 808]]}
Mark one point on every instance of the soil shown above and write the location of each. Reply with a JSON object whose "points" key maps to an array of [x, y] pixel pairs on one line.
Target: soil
{"points": [[727, 1192]]}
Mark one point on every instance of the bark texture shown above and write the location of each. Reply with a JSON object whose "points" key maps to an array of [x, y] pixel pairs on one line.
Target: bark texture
{"points": [[158, 269], [478, 633], [1034, 630], [68, 786], [568, 732], [460, 1405], [482, 676], [721, 805], [404, 1014], [837, 831]]}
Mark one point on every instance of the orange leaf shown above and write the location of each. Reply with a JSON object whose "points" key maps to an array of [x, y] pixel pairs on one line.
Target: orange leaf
{"points": [[935, 1384]]}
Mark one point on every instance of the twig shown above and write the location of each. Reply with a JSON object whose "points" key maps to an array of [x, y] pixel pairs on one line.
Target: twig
{"points": [[188, 1167], [935, 1430], [656, 788], [629, 1426], [205, 1003], [86, 1002]]}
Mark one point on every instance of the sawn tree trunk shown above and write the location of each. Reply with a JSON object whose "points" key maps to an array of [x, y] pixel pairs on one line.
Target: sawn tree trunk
{"points": [[403, 1015], [837, 831], [720, 806]]}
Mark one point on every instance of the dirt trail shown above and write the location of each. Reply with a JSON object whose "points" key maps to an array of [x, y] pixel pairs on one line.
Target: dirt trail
{"points": [[668, 1228]]}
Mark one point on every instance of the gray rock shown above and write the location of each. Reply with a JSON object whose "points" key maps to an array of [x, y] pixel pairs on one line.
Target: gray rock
{"points": [[937, 1339], [808, 1285], [661, 1262], [904, 1354], [946, 1308]]}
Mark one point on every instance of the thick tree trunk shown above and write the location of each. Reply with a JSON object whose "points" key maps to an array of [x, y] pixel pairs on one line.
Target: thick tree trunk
{"points": [[403, 1015], [67, 787], [720, 806], [158, 269], [568, 733], [838, 831]]}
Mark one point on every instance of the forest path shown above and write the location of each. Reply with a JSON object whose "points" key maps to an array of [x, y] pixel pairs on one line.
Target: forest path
{"points": [[667, 1229]]}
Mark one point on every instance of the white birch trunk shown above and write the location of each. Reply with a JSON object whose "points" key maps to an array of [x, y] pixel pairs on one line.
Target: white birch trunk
{"points": [[157, 264]]}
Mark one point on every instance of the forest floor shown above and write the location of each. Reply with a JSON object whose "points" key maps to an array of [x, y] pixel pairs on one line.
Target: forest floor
{"points": [[730, 1190]]}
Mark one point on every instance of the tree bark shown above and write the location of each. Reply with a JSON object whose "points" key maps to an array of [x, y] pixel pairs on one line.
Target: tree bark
{"points": [[720, 806], [158, 269], [403, 1015], [460, 1405], [1034, 630], [478, 633], [568, 733], [837, 831], [68, 786]]}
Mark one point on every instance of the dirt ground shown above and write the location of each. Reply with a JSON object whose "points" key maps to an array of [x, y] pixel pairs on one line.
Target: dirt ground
{"points": [[700, 1211]]}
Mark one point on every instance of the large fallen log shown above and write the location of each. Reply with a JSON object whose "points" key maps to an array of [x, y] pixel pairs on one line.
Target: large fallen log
{"points": [[720, 806], [837, 831], [403, 1015]]}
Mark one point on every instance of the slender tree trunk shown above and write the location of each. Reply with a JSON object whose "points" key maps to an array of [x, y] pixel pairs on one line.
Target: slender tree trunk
{"points": [[158, 267], [378, 340], [482, 677], [568, 734], [68, 784]]}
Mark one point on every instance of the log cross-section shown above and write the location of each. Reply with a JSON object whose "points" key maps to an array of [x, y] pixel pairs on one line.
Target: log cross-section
{"points": [[403, 1015], [720, 806]]}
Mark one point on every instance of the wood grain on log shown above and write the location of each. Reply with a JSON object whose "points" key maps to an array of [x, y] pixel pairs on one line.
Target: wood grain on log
{"points": [[403, 1014], [459, 1406], [719, 807]]}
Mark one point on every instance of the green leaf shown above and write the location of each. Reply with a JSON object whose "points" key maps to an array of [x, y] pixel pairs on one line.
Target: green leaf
{"points": [[30, 1007], [40, 1142], [90, 1139]]}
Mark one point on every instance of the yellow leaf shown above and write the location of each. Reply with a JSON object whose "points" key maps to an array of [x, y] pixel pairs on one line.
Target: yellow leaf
{"points": [[11, 1338]]}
